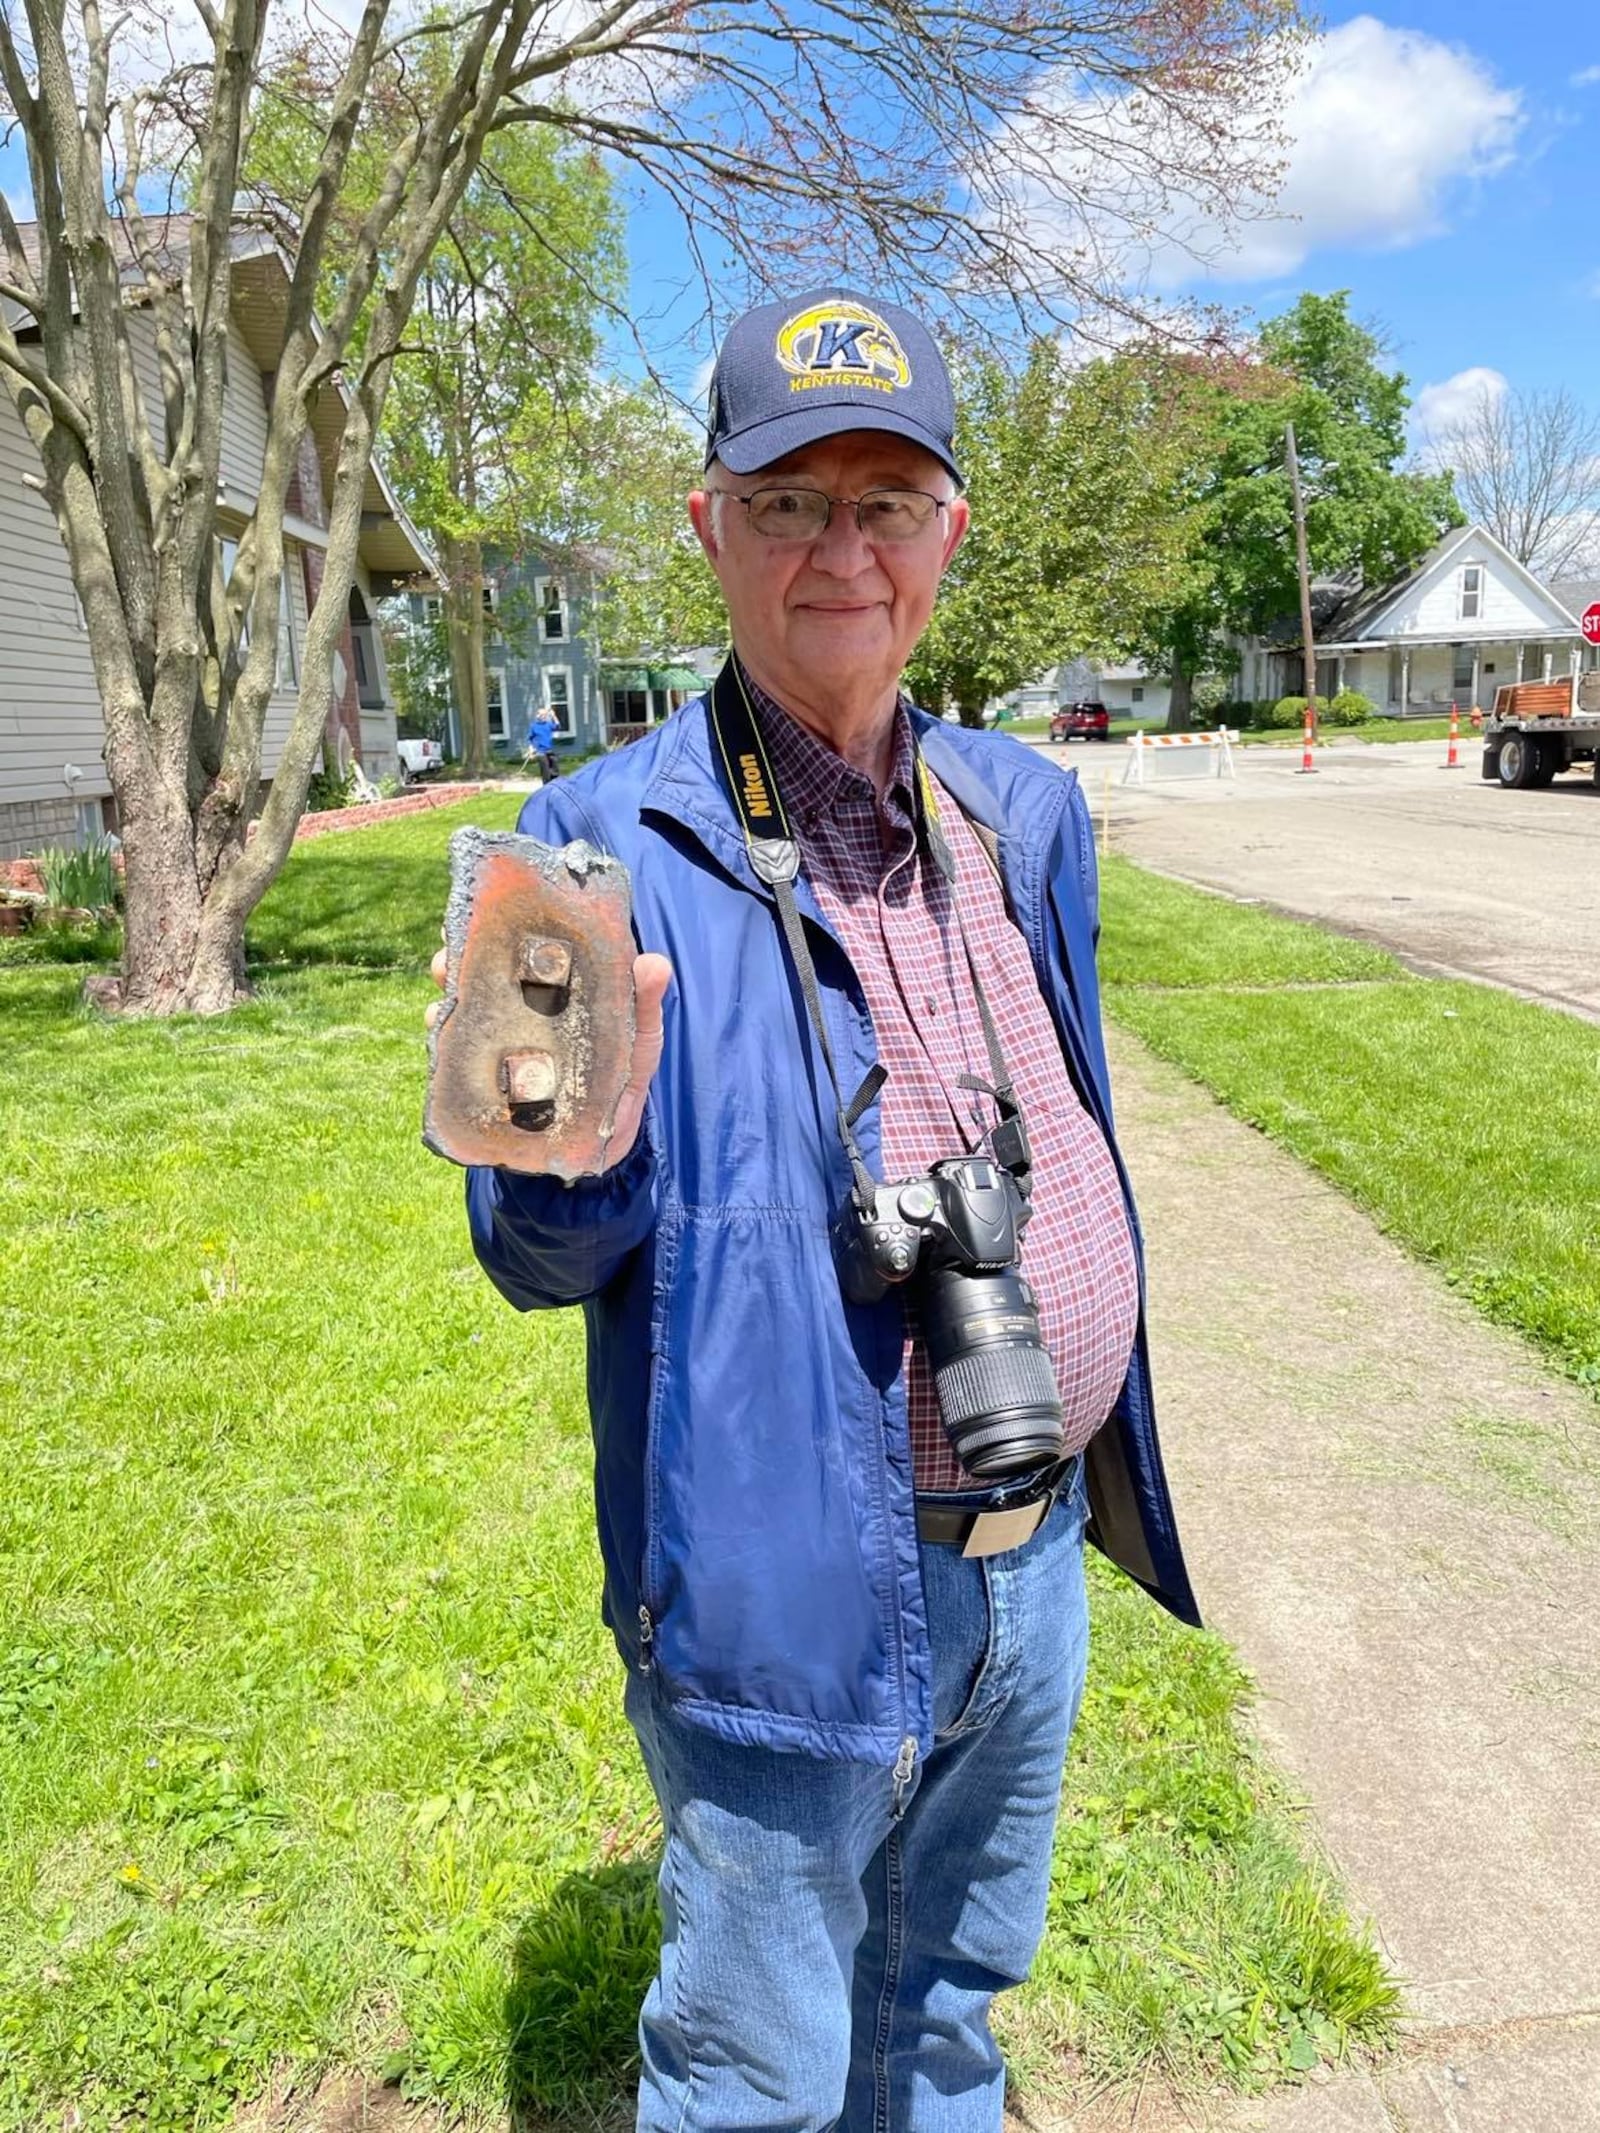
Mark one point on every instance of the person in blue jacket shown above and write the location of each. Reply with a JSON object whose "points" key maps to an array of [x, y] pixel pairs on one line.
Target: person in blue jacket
{"points": [[842, 1494], [542, 745]]}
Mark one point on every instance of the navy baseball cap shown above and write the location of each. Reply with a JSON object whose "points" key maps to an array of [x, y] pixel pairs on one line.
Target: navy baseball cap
{"points": [[790, 373]]}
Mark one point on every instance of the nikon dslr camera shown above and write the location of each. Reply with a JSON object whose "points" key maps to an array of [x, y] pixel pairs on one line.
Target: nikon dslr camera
{"points": [[957, 1234]]}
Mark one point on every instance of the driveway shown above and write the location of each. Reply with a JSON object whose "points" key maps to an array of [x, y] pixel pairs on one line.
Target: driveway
{"points": [[1455, 875]]}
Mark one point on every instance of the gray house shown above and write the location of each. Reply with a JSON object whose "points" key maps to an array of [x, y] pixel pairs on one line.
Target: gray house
{"points": [[54, 787], [542, 651]]}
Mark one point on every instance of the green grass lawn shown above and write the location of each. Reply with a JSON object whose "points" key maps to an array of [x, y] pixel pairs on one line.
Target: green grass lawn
{"points": [[1372, 729], [311, 1751], [1463, 1119]]}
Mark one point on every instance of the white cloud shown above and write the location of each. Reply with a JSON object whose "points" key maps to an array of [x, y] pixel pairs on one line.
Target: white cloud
{"points": [[1382, 129], [1439, 407], [1384, 124], [1587, 78]]}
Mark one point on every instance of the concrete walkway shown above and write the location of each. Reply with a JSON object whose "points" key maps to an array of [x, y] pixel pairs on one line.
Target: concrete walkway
{"points": [[1392, 1511]]}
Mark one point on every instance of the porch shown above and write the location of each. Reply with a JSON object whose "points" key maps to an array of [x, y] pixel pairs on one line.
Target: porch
{"points": [[637, 698], [1425, 677]]}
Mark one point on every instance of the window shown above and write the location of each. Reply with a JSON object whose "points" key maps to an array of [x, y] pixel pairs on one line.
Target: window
{"points": [[1138, 693], [1460, 667], [552, 611], [630, 707], [288, 674], [1471, 591], [491, 596], [558, 696], [432, 607], [495, 697], [288, 668]]}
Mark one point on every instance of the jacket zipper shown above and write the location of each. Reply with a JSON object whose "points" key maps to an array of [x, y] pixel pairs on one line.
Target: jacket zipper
{"points": [[905, 1764], [647, 1635]]}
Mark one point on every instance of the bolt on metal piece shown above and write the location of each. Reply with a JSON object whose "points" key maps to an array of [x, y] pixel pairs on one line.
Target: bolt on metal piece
{"points": [[545, 962]]}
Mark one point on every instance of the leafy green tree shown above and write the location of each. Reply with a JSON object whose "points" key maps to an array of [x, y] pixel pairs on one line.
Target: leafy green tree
{"points": [[1078, 530], [1316, 367]]}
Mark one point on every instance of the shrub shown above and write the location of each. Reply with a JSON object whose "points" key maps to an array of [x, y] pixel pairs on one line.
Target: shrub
{"points": [[1286, 712], [1349, 708], [327, 790], [80, 880]]}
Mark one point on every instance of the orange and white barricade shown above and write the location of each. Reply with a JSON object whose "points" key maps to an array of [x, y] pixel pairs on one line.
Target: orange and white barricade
{"points": [[1152, 755]]}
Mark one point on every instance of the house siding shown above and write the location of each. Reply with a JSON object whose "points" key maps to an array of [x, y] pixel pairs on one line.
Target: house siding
{"points": [[50, 712], [1431, 608]]}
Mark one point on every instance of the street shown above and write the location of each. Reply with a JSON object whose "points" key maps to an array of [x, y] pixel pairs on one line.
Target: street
{"points": [[1457, 876]]}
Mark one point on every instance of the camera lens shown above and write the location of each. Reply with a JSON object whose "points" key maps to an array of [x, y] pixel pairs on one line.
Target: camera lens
{"points": [[995, 1382]]}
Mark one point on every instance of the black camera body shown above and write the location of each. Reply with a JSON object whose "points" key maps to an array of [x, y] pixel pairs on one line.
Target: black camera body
{"points": [[957, 1233]]}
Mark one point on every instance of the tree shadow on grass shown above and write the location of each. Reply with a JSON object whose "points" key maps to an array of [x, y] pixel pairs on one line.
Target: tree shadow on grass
{"points": [[578, 1975]]}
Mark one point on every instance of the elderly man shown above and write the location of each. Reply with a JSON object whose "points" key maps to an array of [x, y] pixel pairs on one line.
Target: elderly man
{"points": [[848, 1432]]}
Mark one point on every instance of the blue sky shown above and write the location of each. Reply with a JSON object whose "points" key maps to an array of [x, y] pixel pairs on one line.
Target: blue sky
{"points": [[1446, 169]]}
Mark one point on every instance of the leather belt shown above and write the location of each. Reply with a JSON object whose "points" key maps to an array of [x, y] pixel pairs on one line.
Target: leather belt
{"points": [[1005, 1522]]}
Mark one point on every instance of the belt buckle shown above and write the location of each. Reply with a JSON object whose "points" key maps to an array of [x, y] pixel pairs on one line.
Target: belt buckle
{"points": [[993, 1532]]}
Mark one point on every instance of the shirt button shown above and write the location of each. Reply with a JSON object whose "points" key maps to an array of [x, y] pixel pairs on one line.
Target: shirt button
{"points": [[931, 1005]]}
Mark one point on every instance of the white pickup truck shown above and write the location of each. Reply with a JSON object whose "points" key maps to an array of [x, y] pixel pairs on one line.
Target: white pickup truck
{"points": [[419, 759]]}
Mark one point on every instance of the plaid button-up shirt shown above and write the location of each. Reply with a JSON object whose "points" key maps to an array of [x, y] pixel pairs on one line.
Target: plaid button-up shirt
{"points": [[892, 910]]}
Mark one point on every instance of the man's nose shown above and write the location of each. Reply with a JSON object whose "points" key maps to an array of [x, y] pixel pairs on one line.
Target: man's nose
{"points": [[841, 548]]}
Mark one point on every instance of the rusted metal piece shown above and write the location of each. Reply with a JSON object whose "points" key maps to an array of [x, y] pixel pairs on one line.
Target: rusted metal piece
{"points": [[530, 1054]]}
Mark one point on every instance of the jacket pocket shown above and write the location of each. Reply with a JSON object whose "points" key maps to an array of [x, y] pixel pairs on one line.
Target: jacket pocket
{"points": [[768, 1560]]}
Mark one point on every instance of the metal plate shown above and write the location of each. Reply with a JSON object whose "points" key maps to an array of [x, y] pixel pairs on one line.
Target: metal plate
{"points": [[530, 1054]]}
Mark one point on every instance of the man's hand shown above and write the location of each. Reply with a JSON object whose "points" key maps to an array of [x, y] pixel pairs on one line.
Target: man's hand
{"points": [[652, 974]]}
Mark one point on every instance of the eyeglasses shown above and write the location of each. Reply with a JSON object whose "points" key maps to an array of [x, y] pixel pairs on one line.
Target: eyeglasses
{"points": [[883, 515]]}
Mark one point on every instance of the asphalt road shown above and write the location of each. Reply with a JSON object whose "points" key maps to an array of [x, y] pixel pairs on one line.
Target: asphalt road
{"points": [[1455, 875]]}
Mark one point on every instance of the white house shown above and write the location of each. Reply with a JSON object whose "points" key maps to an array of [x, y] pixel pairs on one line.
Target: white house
{"points": [[1466, 620], [54, 788]]}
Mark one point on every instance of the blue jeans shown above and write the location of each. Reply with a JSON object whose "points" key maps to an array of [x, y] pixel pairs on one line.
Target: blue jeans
{"points": [[833, 1934]]}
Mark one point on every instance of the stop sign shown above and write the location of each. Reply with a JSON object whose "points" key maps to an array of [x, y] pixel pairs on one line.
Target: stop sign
{"points": [[1591, 623]]}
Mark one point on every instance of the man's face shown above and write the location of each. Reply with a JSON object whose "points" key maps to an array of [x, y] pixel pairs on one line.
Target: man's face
{"points": [[831, 616]]}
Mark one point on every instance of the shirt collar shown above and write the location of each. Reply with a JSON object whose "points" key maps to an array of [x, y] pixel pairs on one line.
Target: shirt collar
{"points": [[812, 776]]}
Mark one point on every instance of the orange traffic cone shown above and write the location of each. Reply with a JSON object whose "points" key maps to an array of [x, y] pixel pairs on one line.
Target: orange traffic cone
{"points": [[1307, 740], [1453, 761]]}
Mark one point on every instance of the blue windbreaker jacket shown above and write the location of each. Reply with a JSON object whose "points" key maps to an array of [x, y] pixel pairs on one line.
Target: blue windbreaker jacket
{"points": [[752, 1465]]}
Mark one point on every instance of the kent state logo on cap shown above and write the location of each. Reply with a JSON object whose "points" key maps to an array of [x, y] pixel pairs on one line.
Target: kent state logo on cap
{"points": [[791, 373]]}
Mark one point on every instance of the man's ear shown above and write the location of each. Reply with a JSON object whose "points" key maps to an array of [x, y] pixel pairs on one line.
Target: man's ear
{"points": [[957, 519], [702, 516]]}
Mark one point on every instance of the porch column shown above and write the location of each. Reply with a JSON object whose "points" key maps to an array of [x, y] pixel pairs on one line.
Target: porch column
{"points": [[1338, 675], [1546, 664], [1405, 679], [1522, 653], [1477, 670]]}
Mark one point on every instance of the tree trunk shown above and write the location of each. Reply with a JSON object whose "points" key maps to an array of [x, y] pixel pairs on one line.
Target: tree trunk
{"points": [[1180, 709], [463, 613], [971, 715]]}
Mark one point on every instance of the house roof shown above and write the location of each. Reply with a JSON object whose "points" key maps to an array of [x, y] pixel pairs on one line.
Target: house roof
{"points": [[1575, 594], [1354, 620], [391, 545]]}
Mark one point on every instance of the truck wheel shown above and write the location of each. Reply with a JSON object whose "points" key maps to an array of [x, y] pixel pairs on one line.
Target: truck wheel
{"points": [[1518, 760], [1547, 760]]}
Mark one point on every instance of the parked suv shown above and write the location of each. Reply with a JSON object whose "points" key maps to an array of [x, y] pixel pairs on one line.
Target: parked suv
{"points": [[1086, 721]]}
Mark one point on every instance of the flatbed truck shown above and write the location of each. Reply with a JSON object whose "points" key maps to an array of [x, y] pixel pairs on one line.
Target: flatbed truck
{"points": [[1540, 728]]}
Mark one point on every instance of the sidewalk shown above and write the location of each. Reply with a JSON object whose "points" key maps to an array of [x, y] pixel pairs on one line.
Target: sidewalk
{"points": [[1393, 1513]]}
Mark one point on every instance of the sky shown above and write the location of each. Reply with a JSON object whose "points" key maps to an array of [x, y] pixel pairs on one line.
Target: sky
{"points": [[1444, 169]]}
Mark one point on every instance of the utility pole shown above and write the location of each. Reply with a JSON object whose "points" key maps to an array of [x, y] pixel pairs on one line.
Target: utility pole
{"points": [[1305, 583]]}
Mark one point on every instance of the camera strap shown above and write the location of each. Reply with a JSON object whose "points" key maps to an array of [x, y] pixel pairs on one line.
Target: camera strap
{"points": [[775, 857]]}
